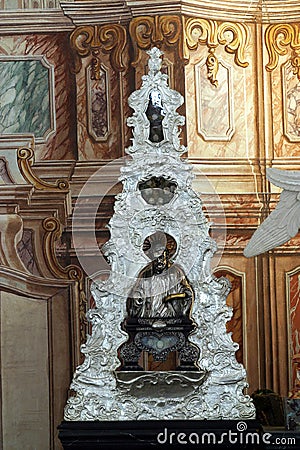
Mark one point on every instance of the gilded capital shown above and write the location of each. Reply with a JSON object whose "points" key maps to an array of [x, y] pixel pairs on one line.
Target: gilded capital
{"points": [[150, 31], [90, 40], [280, 39], [233, 36]]}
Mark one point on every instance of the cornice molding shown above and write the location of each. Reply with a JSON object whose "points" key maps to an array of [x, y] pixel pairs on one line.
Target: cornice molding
{"points": [[96, 12], [34, 21], [99, 12], [271, 11]]}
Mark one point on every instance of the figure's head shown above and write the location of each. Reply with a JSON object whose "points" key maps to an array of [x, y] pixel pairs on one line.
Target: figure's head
{"points": [[155, 97], [159, 245], [161, 262]]}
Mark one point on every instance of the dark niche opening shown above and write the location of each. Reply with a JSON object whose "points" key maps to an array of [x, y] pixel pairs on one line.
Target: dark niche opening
{"points": [[155, 114], [157, 190]]}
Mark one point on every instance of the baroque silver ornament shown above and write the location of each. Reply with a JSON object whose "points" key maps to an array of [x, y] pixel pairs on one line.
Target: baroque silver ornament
{"points": [[158, 199]]}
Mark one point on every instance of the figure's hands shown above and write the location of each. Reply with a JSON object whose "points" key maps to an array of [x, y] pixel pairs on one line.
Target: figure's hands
{"points": [[178, 296]]}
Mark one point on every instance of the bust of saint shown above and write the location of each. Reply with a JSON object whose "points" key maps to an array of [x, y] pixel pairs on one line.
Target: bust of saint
{"points": [[161, 290]]}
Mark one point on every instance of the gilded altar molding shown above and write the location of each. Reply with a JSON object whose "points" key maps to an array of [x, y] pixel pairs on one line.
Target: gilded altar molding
{"points": [[149, 31], [90, 40], [279, 39], [25, 161], [212, 34]]}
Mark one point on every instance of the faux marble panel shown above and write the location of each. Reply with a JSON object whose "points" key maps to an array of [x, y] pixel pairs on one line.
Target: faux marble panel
{"points": [[291, 103], [284, 101], [294, 317], [56, 50], [244, 141], [98, 105], [215, 108], [26, 97], [24, 373]]}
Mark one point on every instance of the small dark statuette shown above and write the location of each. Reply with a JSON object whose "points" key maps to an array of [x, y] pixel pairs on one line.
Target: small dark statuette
{"points": [[155, 114]]}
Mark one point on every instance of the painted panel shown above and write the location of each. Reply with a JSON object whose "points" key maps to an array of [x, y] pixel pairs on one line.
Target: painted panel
{"points": [[24, 373], [88, 147], [228, 177], [285, 113], [26, 252], [291, 103], [98, 105], [26, 97], [215, 115], [293, 303]]}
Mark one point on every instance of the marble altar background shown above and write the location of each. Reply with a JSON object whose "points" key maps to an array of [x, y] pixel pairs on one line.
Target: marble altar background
{"points": [[60, 144], [88, 120], [25, 83]]}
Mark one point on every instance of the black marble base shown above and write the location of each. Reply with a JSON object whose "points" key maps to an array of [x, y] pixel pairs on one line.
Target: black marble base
{"points": [[162, 434]]}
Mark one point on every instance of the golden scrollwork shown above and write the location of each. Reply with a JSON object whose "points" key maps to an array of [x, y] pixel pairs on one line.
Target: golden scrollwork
{"points": [[233, 36], [25, 159], [53, 231], [89, 40], [279, 39], [148, 31], [212, 65]]}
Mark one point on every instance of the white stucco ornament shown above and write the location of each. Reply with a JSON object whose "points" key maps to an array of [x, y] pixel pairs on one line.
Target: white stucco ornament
{"points": [[157, 197]]}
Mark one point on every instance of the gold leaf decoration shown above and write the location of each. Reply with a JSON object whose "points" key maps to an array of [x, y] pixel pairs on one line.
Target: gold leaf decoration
{"points": [[148, 31], [280, 39], [212, 65], [233, 36], [89, 40], [25, 158]]}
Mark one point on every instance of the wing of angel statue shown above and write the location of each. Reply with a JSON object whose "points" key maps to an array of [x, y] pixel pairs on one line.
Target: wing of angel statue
{"points": [[284, 222]]}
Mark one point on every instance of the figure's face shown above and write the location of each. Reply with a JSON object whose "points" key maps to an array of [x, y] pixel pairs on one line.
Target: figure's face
{"points": [[155, 98], [161, 263]]}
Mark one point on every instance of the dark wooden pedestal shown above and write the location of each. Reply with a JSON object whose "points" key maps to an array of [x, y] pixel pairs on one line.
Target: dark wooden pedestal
{"points": [[162, 434]]}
